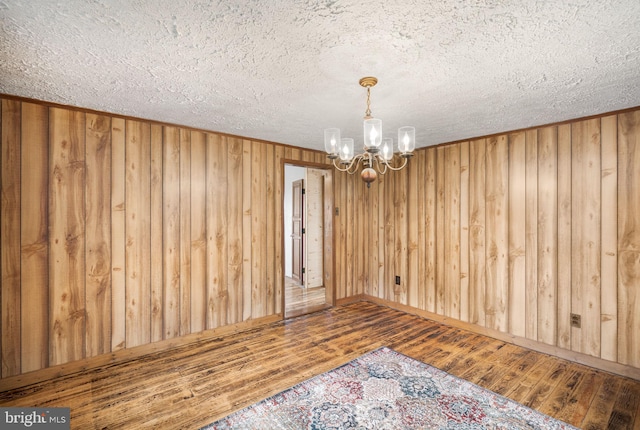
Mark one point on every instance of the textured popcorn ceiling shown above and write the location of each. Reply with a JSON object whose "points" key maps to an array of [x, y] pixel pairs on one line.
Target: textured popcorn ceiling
{"points": [[283, 70]]}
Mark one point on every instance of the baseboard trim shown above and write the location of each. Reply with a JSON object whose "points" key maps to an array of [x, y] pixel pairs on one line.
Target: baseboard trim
{"points": [[123, 355], [576, 357], [352, 299]]}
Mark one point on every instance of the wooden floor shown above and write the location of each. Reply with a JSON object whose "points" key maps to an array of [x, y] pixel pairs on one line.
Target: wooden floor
{"points": [[300, 301], [191, 386]]}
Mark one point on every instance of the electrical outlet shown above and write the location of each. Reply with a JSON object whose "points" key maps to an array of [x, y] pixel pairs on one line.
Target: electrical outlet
{"points": [[397, 280], [576, 320]]}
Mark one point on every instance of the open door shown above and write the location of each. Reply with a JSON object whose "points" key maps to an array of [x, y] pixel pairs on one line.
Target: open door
{"points": [[297, 236], [313, 229], [308, 239]]}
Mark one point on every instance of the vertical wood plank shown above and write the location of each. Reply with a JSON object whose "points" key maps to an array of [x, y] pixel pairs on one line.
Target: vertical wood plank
{"points": [[171, 231], [10, 244], [234, 232], [585, 235], [279, 234], [328, 237], [34, 229], [375, 217], [421, 215], [219, 235], [361, 239], [441, 230], [358, 260], [307, 156], [547, 234], [629, 238], [477, 232], [452, 230], [67, 235], [531, 233], [390, 238], [340, 233], [379, 287], [430, 229], [464, 231], [185, 232], [413, 229], [269, 239], [258, 230], [497, 302], [400, 253], [118, 235], [138, 242], [563, 336], [349, 265], [609, 254], [156, 226], [517, 234], [198, 182], [247, 233], [98, 242]]}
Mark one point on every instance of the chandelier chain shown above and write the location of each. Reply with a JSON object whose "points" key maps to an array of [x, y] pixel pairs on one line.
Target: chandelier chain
{"points": [[367, 113]]}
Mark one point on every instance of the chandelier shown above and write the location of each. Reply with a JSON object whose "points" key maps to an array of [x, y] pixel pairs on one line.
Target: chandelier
{"points": [[378, 155]]}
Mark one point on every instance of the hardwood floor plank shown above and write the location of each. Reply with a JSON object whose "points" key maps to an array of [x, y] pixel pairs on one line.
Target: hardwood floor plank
{"points": [[565, 401], [192, 385], [513, 375], [626, 409], [545, 386], [602, 406]]}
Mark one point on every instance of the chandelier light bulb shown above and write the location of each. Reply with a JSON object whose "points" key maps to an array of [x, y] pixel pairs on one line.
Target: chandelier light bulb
{"points": [[387, 149], [346, 150], [331, 141], [406, 140], [372, 133]]}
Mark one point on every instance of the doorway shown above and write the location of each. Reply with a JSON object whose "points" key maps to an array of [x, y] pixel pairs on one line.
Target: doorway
{"points": [[308, 260]]}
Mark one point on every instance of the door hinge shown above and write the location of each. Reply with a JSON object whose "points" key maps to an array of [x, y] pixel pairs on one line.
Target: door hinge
{"points": [[303, 231], [303, 270], [304, 191]]}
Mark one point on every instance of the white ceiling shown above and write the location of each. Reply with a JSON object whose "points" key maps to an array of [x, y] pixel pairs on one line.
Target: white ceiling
{"points": [[283, 70]]}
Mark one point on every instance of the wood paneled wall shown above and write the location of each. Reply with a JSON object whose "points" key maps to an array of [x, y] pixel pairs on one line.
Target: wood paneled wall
{"points": [[118, 233], [518, 231]]}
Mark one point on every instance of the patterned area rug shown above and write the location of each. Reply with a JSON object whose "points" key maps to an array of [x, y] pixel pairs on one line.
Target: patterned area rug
{"points": [[387, 390]]}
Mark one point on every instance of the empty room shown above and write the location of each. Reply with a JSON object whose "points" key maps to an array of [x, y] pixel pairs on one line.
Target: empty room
{"points": [[320, 214]]}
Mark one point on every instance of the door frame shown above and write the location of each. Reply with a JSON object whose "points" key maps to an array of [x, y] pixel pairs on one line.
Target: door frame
{"points": [[328, 260]]}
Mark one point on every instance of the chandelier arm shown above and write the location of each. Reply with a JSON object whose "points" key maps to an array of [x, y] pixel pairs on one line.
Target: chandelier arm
{"points": [[383, 163], [404, 163], [338, 167], [351, 164], [355, 163]]}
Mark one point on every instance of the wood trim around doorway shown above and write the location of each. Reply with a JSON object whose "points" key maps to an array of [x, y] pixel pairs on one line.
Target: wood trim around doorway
{"points": [[329, 239]]}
